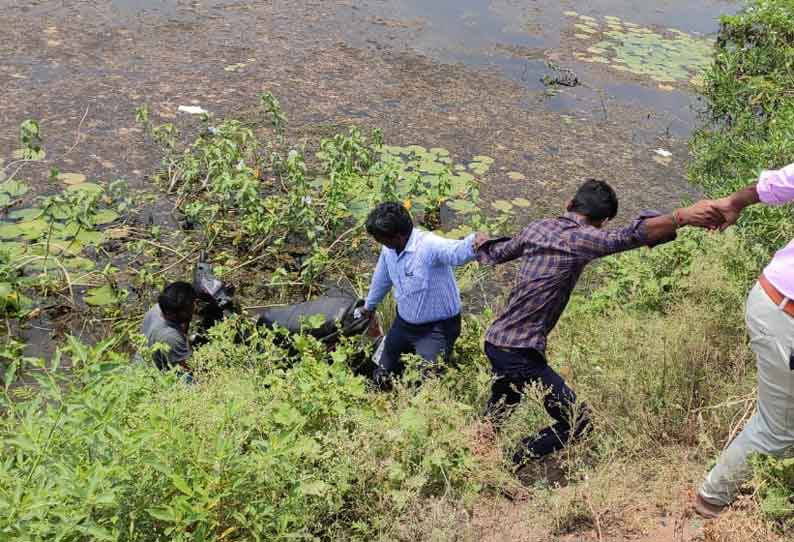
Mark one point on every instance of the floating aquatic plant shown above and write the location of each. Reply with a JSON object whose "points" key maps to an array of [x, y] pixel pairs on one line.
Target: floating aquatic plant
{"points": [[666, 57]]}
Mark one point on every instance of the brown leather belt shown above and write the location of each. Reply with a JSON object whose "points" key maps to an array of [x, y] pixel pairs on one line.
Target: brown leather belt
{"points": [[776, 297]]}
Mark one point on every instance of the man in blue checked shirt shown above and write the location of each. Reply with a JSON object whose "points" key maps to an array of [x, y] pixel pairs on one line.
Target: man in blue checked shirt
{"points": [[418, 266]]}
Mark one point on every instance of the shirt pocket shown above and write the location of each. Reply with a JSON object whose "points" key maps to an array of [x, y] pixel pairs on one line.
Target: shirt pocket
{"points": [[414, 279]]}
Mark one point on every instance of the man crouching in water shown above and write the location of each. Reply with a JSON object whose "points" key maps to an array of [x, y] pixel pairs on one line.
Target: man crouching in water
{"points": [[418, 265], [167, 323], [555, 252]]}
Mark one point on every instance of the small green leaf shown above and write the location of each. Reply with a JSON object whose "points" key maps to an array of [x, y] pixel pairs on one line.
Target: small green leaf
{"points": [[163, 514], [88, 187], [105, 216], [181, 484], [98, 297], [502, 205], [14, 189], [9, 231], [25, 214], [29, 154]]}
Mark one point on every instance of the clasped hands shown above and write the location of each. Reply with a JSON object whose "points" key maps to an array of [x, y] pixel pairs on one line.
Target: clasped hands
{"points": [[712, 214]]}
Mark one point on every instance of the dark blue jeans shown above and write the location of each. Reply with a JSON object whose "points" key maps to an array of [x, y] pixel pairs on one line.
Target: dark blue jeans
{"points": [[528, 366], [431, 341]]}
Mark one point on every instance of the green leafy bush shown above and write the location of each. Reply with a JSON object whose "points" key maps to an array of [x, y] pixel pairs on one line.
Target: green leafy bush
{"points": [[750, 99], [750, 111], [254, 451]]}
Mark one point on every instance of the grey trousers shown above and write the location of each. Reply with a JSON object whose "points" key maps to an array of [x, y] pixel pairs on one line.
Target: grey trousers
{"points": [[770, 430]]}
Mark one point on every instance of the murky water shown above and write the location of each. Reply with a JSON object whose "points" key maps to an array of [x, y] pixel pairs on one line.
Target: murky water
{"points": [[518, 37], [460, 74]]}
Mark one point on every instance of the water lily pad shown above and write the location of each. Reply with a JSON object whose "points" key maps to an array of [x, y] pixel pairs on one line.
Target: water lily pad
{"points": [[484, 159], [439, 151], [13, 248], [395, 150], [521, 202], [584, 28], [416, 149], [570, 13], [461, 206], [11, 300], [30, 230], [78, 263], [429, 166], [502, 205], [90, 237], [5, 200], [14, 188], [98, 297], [516, 176], [71, 178], [479, 168], [662, 58], [582, 36], [587, 18], [25, 215], [22, 154], [105, 216], [10, 231], [60, 246], [88, 187]]}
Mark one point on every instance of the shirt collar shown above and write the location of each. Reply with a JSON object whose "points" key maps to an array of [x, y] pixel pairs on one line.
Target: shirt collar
{"points": [[574, 217], [170, 323], [413, 240]]}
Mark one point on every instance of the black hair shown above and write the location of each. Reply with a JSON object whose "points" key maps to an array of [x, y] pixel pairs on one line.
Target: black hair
{"points": [[596, 200], [176, 298], [388, 220]]}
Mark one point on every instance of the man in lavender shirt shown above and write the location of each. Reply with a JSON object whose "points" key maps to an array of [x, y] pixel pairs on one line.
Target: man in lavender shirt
{"points": [[770, 321]]}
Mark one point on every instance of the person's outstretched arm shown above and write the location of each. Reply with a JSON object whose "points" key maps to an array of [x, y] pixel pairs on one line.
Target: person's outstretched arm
{"points": [[453, 252], [774, 187], [501, 250], [649, 229], [380, 285]]}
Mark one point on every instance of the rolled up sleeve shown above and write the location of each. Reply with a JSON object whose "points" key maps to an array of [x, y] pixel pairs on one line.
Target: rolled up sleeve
{"points": [[776, 187]]}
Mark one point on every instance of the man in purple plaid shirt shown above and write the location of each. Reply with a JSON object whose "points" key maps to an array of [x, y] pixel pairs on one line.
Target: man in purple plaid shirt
{"points": [[555, 252]]}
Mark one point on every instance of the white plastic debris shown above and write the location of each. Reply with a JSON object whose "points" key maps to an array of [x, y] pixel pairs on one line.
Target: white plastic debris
{"points": [[192, 109], [662, 152]]}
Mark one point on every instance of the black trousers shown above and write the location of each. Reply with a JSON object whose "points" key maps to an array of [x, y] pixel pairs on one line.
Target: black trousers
{"points": [[431, 341], [559, 400]]}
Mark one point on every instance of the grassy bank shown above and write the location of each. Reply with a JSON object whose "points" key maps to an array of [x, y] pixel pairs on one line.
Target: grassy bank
{"points": [[285, 444]]}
